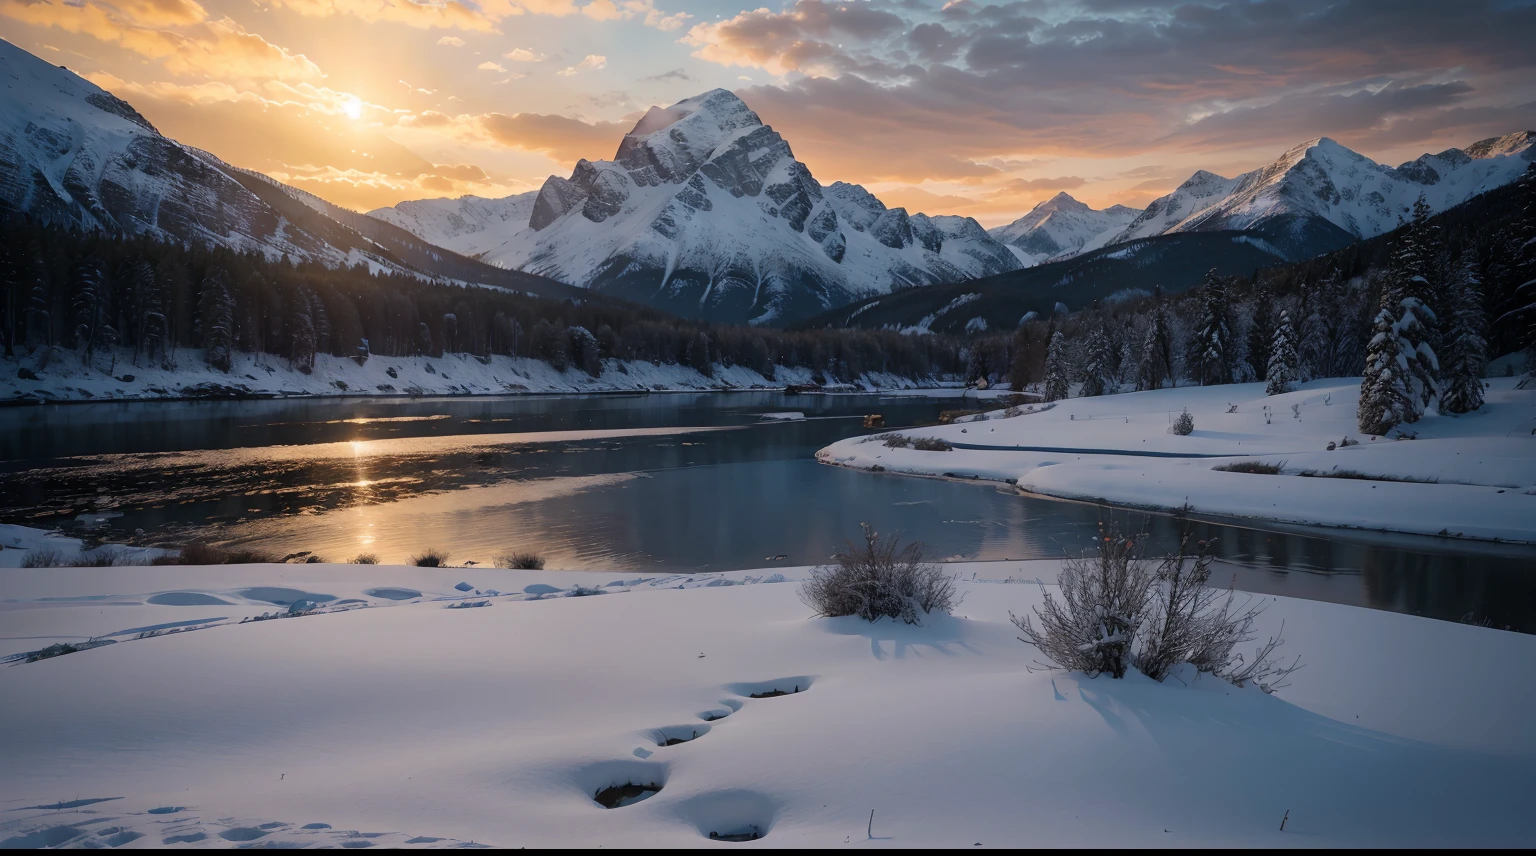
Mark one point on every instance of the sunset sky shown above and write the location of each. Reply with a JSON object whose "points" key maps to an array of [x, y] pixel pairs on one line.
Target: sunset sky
{"points": [[961, 107]]}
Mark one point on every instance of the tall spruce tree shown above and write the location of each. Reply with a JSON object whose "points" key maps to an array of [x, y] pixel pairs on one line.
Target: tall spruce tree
{"points": [[1466, 344], [1210, 349], [1261, 332], [92, 306], [1520, 249], [1413, 274], [216, 320], [1281, 371], [1385, 396], [1098, 366], [1057, 383]]}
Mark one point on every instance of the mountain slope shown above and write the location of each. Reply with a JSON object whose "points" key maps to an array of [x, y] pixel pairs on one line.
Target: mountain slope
{"points": [[1320, 196], [1061, 227], [74, 155], [704, 211], [470, 225]]}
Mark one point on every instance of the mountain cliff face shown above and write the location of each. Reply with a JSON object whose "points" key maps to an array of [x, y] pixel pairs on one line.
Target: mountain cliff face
{"points": [[704, 211], [1062, 227], [1320, 195]]}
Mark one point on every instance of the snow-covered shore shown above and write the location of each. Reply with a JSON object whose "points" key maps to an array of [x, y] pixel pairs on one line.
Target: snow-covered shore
{"points": [[392, 716], [1470, 476], [66, 378]]}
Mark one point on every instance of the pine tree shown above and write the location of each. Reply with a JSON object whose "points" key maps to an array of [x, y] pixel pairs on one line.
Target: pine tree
{"points": [[1210, 349], [92, 307], [1412, 279], [1520, 248], [1385, 395], [216, 320], [1466, 343], [1156, 349], [301, 331], [1281, 370], [1261, 332], [1098, 370], [1056, 383], [146, 310], [1327, 331]]}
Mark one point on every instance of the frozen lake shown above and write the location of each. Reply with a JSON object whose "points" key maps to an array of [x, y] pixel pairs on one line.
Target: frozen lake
{"points": [[677, 482]]}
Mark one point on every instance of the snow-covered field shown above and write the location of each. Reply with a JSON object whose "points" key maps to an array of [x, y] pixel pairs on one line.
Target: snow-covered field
{"points": [[393, 716], [1470, 476], [65, 378]]}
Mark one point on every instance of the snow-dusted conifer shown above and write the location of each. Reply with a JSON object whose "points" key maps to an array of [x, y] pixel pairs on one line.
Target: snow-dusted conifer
{"points": [[1522, 251], [93, 307], [1281, 372], [1261, 332], [1156, 350], [1466, 345], [1210, 349], [1098, 365], [1056, 380], [1412, 275], [1385, 395]]}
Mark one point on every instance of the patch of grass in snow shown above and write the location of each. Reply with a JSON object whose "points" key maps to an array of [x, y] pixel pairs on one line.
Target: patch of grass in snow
{"points": [[922, 444], [431, 559], [947, 417], [1356, 474], [1258, 468], [42, 558], [521, 561], [366, 559], [203, 553], [59, 649]]}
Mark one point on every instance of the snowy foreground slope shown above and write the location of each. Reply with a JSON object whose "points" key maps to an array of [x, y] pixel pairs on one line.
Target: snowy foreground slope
{"points": [[66, 379], [391, 718], [1471, 476]]}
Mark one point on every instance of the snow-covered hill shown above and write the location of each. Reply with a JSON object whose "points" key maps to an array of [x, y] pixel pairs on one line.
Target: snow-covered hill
{"points": [[1320, 195], [1062, 227], [705, 211]]}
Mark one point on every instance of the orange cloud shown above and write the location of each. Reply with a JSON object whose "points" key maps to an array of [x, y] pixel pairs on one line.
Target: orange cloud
{"points": [[561, 137], [219, 48], [441, 15]]}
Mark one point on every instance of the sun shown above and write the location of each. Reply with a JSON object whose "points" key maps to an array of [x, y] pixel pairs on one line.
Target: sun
{"points": [[352, 107]]}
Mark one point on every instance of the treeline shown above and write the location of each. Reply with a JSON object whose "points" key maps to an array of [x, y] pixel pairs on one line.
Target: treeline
{"points": [[1420, 312], [100, 296]]}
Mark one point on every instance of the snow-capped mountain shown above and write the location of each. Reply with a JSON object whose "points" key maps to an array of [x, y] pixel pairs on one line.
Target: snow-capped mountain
{"points": [[471, 225], [74, 154], [705, 211], [1320, 195], [1062, 227]]}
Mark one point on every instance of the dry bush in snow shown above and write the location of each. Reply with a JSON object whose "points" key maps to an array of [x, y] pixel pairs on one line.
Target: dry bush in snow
{"points": [[1092, 627], [880, 578], [431, 559], [1117, 611], [521, 561], [42, 557], [366, 559]]}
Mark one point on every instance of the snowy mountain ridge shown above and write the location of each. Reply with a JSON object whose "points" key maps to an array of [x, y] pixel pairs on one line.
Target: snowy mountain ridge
{"points": [[1320, 193], [1062, 227], [73, 154], [704, 211]]}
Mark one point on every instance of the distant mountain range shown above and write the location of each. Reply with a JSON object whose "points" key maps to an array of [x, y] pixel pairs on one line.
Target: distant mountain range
{"points": [[703, 211]]}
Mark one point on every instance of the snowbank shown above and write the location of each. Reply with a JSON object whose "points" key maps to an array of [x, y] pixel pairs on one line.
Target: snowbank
{"points": [[65, 378], [393, 716], [1471, 476]]}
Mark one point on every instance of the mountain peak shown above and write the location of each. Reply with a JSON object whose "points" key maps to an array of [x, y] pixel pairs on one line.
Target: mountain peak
{"points": [[1062, 201]]}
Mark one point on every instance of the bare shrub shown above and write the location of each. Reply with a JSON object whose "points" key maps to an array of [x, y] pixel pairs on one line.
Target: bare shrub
{"points": [[880, 578], [431, 559], [896, 441], [1116, 611], [931, 444], [42, 558], [1259, 468], [365, 559], [948, 416], [1184, 425], [98, 558], [1092, 627], [521, 561]]}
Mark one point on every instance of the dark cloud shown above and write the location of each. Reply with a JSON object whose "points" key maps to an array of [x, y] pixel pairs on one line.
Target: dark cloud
{"points": [[674, 74]]}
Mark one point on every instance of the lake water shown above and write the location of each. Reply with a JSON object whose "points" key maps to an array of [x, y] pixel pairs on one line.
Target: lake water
{"points": [[660, 482]]}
